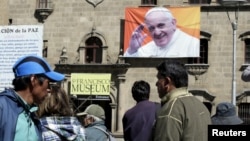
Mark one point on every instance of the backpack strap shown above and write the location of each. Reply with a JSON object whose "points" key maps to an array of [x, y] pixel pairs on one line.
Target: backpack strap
{"points": [[71, 138], [107, 133], [101, 129]]}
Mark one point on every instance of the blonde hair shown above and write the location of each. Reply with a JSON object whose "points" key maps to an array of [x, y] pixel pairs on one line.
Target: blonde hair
{"points": [[55, 104]]}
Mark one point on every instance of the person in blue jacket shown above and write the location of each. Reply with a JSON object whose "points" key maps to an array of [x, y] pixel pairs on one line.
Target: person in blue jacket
{"points": [[18, 105]]}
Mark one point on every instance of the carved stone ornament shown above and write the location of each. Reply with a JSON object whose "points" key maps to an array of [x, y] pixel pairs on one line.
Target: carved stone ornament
{"points": [[94, 2]]}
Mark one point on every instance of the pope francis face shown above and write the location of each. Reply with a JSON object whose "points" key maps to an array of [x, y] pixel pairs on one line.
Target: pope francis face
{"points": [[161, 26]]}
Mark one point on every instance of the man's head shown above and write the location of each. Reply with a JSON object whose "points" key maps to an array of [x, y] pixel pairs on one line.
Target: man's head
{"points": [[171, 75], [34, 73], [161, 25], [226, 115], [92, 113], [140, 90]]}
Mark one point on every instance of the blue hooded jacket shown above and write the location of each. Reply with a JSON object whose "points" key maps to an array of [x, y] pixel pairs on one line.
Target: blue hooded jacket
{"points": [[10, 108]]}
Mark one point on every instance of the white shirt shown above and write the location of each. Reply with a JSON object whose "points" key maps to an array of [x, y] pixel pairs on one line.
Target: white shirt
{"points": [[181, 45]]}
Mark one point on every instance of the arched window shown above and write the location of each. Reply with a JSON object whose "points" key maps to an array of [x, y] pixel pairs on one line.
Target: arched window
{"points": [[93, 50]]}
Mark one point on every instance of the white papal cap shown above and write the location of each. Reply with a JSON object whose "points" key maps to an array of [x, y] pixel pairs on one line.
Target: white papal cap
{"points": [[159, 9]]}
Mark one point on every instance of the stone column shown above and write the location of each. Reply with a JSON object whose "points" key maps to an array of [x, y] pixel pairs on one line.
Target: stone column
{"points": [[121, 78], [82, 55], [104, 54]]}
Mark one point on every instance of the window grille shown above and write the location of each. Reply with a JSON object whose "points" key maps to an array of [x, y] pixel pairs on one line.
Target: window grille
{"points": [[199, 1], [247, 51], [149, 2], [203, 59], [244, 112], [44, 4]]}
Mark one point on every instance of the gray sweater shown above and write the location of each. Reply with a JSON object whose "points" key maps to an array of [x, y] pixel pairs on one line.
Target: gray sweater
{"points": [[182, 118]]}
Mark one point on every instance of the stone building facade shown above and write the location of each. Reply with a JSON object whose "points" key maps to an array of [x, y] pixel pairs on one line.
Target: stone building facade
{"points": [[69, 25]]}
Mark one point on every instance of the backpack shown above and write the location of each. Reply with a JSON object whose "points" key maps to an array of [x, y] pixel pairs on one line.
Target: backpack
{"points": [[108, 133]]}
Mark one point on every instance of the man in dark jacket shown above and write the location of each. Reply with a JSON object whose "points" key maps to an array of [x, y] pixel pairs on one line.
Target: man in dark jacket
{"points": [[139, 120], [17, 106], [182, 116]]}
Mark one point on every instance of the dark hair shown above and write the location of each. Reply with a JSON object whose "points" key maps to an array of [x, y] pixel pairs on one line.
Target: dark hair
{"points": [[140, 90], [55, 104], [175, 71], [23, 82]]}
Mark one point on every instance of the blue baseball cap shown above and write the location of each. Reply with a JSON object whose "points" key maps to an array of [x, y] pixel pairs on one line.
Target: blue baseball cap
{"points": [[31, 64]]}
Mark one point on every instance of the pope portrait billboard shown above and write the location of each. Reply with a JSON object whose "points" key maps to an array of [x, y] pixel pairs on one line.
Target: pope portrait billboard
{"points": [[162, 32]]}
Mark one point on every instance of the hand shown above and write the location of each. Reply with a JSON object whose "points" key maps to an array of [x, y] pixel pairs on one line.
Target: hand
{"points": [[136, 39]]}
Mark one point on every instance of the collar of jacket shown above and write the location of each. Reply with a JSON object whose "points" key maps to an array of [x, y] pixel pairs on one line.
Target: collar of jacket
{"points": [[178, 92]]}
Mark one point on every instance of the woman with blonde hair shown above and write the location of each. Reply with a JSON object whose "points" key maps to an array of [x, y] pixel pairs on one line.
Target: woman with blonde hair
{"points": [[57, 118]]}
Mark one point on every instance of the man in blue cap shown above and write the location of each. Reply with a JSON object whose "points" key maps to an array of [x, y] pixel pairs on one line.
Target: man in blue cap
{"points": [[17, 106]]}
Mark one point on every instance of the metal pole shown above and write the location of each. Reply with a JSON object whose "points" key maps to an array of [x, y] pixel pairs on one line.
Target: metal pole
{"points": [[236, 4], [234, 26]]}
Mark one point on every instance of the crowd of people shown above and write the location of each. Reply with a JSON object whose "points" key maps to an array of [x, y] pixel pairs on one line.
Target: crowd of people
{"points": [[37, 108]]}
